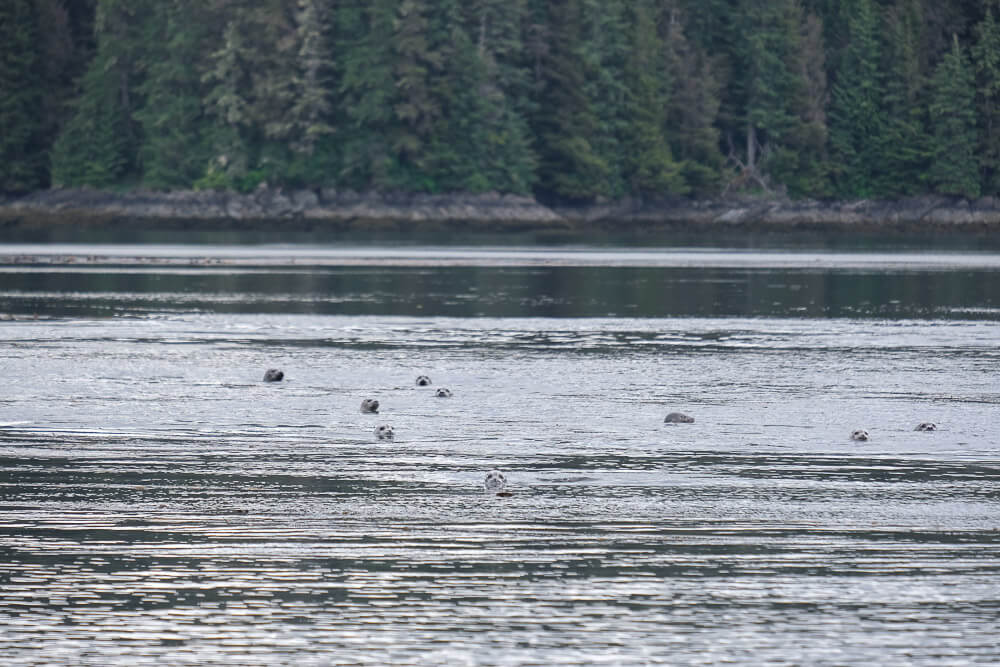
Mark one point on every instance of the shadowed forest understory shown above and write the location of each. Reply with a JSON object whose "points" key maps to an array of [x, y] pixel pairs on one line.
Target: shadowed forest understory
{"points": [[566, 100]]}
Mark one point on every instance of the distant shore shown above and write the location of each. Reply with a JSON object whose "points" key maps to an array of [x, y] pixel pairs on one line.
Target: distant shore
{"points": [[329, 210]]}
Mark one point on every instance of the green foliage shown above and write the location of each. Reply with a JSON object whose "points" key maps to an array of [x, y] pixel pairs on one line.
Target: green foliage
{"points": [[954, 169], [650, 168], [692, 107], [173, 152], [576, 100], [93, 148], [986, 62], [566, 124], [21, 148], [903, 144], [367, 92], [856, 120]]}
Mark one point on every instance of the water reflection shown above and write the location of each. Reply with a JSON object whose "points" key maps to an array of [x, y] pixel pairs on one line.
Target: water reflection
{"points": [[511, 292]]}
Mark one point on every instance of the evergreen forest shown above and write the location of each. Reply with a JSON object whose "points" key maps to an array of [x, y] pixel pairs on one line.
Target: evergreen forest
{"points": [[566, 100]]}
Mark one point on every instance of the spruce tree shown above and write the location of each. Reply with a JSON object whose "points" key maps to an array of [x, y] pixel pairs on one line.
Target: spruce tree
{"points": [[174, 153], [227, 101], [692, 105], [566, 124], [606, 47], [649, 166], [99, 144], [366, 93], [855, 117], [498, 91], [903, 145], [986, 62], [311, 107], [21, 142], [781, 134], [796, 156], [479, 142], [417, 64], [954, 170]]}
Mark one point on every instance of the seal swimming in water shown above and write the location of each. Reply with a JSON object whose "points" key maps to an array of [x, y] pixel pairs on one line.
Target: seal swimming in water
{"points": [[384, 432], [860, 435], [678, 418], [496, 482], [423, 380], [926, 426], [369, 406], [443, 393], [273, 375]]}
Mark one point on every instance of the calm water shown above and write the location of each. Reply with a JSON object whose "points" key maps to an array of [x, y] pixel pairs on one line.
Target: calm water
{"points": [[159, 504]]}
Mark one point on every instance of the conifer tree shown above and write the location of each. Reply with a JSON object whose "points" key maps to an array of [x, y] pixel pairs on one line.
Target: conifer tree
{"points": [[903, 149], [499, 91], [229, 104], [98, 145], [417, 62], [986, 61], [606, 48], [566, 124], [366, 93], [174, 153], [797, 159], [783, 138], [479, 143], [21, 142], [692, 105], [311, 108], [649, 166], [855, 119], [954, 170]]}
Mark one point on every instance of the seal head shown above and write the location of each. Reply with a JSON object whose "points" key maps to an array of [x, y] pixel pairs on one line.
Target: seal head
{"points": [[678, 418], [495, 482]]}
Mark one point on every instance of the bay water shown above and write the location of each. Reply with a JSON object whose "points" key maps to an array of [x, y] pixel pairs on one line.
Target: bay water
{"points": [[161, 504]]}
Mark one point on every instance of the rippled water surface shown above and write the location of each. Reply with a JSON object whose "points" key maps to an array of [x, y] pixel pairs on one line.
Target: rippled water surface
{"points": [[160, 504]]}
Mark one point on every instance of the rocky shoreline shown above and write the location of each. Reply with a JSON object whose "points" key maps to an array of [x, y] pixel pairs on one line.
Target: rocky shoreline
{"points": [[340, 210]]}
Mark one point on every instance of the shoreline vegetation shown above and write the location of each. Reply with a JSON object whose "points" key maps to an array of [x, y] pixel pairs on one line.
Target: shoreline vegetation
{"points": [[274, 209], [785, 106]]}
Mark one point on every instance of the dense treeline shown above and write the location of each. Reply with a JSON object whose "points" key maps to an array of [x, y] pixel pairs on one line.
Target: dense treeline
{"points": [[570, 99]]}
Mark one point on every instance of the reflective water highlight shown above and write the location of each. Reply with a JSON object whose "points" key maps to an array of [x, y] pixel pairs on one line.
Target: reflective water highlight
{"points": [[160, 504]]}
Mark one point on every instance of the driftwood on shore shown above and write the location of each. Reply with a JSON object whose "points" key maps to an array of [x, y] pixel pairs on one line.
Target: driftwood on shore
{"points": [[340, 209]]}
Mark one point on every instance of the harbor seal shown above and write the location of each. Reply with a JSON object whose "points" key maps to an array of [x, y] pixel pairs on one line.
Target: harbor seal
{"points": [[423, 381], [273, 375], [443, 393], [495, 482], [926, 426], [369, 406], [384, 432], [860, 435], [678, 418]]}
